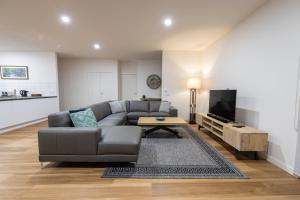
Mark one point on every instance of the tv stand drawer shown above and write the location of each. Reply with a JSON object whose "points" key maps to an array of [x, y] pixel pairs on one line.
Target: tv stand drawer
{"points": [[245, 139]]}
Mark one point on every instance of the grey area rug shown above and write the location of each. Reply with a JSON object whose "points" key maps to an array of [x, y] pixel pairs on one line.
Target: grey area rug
{"points": [[166, 157]]}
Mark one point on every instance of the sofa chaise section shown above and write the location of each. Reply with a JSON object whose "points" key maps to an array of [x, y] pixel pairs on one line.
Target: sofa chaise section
{"points": [[120, 144]]}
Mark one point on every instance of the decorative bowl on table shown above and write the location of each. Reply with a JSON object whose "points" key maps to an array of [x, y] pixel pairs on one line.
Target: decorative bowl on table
{"points": [[160, 118]]}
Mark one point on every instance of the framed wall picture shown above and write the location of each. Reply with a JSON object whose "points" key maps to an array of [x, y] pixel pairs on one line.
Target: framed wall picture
{"points": [[14, 72]]}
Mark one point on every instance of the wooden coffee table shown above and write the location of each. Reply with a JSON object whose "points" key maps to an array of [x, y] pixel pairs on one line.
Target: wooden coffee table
{"points": [[164, 125]]}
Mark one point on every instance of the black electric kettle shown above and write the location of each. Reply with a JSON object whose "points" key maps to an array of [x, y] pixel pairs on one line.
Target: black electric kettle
{"points": [[23, 93]]}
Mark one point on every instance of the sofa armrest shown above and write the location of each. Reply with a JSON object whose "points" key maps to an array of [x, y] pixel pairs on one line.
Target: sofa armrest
{"points": [[68, 141], [173, 111]]}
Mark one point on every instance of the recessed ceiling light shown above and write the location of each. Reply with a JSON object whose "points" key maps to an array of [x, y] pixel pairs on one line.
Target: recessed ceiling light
{"points": [[168, 22], [65, 19], [97, 46]]}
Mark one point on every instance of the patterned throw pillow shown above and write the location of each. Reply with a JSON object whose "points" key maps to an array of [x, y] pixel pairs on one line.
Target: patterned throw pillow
{"points": [[84, 118]]}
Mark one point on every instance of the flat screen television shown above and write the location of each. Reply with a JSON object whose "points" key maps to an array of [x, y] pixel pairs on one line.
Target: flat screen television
{"points": [[222, 104]]}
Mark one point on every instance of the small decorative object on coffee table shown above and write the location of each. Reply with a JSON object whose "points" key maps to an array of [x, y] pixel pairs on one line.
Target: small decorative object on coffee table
{"points": [[164, 125], [160, 118]]}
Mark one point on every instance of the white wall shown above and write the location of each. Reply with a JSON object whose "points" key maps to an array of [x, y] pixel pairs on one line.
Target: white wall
{"points": [[177, 68], [146, 68], [42, 69], [128, 67], [142, 69], [260, 58], [73, 82]]}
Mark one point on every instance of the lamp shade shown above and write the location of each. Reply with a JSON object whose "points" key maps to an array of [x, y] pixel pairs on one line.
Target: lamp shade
{"points": [[194, 83]]}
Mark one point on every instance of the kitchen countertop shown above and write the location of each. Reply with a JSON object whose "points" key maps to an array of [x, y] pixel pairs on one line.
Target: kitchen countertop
{"points": [[14, 98]]}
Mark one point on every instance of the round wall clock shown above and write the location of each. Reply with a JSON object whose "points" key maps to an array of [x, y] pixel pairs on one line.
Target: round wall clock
{"points": [[153, 81]]}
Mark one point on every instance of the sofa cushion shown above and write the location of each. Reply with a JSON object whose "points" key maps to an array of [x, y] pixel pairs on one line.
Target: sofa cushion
{"points": [[159, 114], [121, 140], [136, 115], [165, 106], [139, 106], [154, 106], [105, 129], [85, 118], [101, 110], [111, 122], [117, 106], [113, 119], [121, 115]]}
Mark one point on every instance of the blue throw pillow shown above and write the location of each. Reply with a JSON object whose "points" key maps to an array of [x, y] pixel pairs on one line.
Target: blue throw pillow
{"points": [[85, 118]]}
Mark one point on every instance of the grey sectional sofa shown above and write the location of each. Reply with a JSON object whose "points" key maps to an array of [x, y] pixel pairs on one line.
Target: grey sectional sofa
{"points": [[138, 109], [113, 141]]}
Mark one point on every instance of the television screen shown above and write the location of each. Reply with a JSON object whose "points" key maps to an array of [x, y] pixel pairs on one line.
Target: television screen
{"points": [[222, 103]]}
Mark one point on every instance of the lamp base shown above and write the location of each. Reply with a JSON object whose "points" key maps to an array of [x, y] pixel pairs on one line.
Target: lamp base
{"points": [[192, 118]]}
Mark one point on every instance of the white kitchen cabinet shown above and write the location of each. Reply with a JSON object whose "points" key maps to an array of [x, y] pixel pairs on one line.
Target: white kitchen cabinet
{"points": [[18, 112]]}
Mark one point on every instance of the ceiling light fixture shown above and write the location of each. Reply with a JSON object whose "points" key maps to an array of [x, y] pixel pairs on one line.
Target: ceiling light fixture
{"points": [[65, 19], [168, 22], [97, 46]]}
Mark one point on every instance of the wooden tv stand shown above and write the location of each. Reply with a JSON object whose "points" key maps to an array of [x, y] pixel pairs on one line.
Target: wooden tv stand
{"points": [[245, 139]]}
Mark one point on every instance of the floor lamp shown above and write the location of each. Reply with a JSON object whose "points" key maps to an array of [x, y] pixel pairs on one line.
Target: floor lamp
{"points": [[193, 84]]}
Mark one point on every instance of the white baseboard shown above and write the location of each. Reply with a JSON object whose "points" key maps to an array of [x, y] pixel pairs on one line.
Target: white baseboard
{"points": [[11, 128], [281, 165]]}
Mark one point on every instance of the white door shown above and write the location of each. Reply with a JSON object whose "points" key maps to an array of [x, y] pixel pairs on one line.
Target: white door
{"points": [[297, 124], [100, 87], [129, 86], [93, 88], [107, 83]]}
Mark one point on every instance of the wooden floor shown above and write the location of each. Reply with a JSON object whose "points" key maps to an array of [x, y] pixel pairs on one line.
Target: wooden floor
{"points": [[22, 178]]}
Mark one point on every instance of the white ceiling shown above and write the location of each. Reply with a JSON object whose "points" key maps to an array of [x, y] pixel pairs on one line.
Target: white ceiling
{"points": [[126, 29]]}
